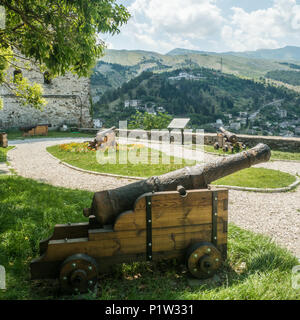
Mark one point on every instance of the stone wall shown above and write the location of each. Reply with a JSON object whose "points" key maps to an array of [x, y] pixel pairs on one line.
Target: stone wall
{"points": [[275, 143], [64, 96]]}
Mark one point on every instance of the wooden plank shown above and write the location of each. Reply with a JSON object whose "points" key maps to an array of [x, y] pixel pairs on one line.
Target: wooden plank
{"points": [[59, 249], [105, 234], [172, 210], [63, 231]]}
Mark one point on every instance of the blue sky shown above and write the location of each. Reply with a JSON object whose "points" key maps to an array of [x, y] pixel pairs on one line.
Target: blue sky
{"points": [[209, 25]]}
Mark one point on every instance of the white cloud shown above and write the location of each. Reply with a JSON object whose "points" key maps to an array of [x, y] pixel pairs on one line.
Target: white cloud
{"points": [[174, 22], [162, 25], [267, 28]]}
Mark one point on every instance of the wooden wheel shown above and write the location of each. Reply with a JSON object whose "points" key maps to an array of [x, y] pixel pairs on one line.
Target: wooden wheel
{"points": [[78, 274], [225, 148], [203, 259], [216, 146]]}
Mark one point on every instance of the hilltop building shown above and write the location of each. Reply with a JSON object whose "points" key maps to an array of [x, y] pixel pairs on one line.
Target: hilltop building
{"points": [[186, 76]]}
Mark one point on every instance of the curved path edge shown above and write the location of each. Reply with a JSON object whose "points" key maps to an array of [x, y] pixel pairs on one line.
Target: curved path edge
{"points": [[261, 190]]}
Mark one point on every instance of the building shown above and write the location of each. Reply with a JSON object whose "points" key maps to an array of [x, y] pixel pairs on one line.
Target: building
{"points": [[161, 109], [68, 102], [186, 76], [282, 113], [97, 123], [235, 126], [243, 114], [132, 104]]}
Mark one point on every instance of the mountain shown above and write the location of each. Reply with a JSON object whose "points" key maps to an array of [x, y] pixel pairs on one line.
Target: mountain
{"points": [[202, 94], [120, 66], [288, 53]]}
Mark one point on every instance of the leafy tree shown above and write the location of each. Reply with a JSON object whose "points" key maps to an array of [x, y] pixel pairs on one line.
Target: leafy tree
{"points": [[149, 121], [57, 35]]}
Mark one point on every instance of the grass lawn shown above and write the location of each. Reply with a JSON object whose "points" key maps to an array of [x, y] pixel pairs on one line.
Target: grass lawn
{"points": [[252, 177], [256, 268], [276, 155], [88, 161], [257, 178], [17, 135], [3, 153]]}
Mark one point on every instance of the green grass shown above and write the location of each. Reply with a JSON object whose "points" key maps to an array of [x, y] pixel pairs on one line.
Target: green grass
{"points": [[256, 268], [252, 177], [88, 161], [3, 153], [279, 155], [17, 135], [257, 178], [275, 155]]}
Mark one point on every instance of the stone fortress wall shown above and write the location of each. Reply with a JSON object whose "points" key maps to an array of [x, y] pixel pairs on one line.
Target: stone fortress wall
{"points": [[68, 100]]}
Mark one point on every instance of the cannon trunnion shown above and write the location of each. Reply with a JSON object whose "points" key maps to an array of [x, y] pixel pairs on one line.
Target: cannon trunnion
{"points": [[190, 225]]}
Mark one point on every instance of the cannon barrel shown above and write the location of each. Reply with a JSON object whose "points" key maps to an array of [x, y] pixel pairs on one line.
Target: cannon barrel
{"points": [[231, 137], [101, 134], [107, 205]]}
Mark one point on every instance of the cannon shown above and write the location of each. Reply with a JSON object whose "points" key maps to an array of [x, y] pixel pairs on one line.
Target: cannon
{"points": [[103, 139], [175, 215], [228, 141]]}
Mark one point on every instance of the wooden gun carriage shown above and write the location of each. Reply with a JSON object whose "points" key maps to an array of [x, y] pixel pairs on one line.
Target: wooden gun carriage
{"points": [[175, 215], [191, 227]]}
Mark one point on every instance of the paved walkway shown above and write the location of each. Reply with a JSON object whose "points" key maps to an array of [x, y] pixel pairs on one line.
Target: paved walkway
{"points": [[276, 215]]}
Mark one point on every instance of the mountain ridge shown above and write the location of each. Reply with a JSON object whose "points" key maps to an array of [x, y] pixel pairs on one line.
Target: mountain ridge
{"points": [[286, 53]]}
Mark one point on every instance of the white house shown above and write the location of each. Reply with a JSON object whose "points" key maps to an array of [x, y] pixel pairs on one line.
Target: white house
{"points": [[235, 126]]}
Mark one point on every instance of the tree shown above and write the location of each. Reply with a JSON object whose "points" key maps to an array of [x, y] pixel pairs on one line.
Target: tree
{"points": [[149, 121], [57, 35]]}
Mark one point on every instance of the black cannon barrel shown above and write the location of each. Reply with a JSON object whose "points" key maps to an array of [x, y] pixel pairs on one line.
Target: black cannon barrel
{"points": [[231, 137], [107, 205]]}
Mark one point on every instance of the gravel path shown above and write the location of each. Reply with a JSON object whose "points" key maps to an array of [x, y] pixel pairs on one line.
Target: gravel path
{"points": [[276, 215], [31, 160]]}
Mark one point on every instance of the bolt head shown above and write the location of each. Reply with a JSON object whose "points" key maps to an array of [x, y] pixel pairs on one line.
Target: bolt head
{"points": [[91, 282], [90, 268], [74, 265], [65, 278], [208, 250], [195, 270], [217, 260], [195, 255], [150, 244]]}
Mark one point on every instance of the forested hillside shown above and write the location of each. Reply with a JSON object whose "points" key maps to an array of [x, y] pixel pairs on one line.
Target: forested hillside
{"points": [[290, 77], [204, 100]]}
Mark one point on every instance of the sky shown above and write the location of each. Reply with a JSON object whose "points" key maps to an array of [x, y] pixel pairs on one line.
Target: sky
{"points": [[208, 25]]}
